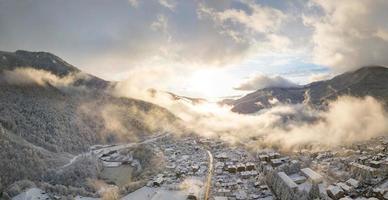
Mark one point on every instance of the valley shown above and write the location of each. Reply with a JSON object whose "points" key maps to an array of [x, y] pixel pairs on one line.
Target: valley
{"points": [[78, 140], [193, 100]]}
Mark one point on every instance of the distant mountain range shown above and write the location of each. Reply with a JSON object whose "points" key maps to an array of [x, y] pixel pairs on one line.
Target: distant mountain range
{"points": [[40, 125], [370, 80]]}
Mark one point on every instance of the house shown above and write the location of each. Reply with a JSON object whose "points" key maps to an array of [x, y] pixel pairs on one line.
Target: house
{"points": [[220, 198], [375, 164], [158, 181], [240, 167], [335, 192], [312, 176], [352, 182], [362, 171], [276, 162], [250, 166]]}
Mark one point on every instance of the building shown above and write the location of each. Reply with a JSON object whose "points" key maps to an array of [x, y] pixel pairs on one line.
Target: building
{"points": [[312, 176]]}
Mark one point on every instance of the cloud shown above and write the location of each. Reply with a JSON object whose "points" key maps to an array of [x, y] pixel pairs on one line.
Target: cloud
{"points": [[347, 120], [125, 34], [287, 126], [170, 4], [257, 26], [28, 76], [260, 81], [141, 80], [160, 24], [261, 19], [349, 34]]}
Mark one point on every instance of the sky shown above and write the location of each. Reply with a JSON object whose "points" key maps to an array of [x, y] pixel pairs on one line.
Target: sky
{"points": [[202, 48]]}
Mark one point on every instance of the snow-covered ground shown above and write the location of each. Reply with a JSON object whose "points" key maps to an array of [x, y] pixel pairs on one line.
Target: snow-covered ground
{"points": [[85, 198], [149, 193], [109, 148], [32, 194]]}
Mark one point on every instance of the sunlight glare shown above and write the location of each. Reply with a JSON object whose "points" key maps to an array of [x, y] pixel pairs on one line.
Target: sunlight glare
{"points": [[209, 83]]}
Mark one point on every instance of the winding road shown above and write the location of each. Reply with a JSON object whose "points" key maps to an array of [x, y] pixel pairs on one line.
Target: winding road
{"points": [[209, 176], [112, 148]]}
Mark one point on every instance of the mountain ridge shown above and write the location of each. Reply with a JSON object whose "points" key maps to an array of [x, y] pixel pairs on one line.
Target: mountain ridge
{"points": [[51, 63], [368, 80]]}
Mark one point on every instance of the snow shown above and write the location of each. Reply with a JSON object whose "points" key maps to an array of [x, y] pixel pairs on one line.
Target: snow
{"points": [[85, 198], [346, 198], [142, 193], [344, 187], [335, 190], [297, 178], [71, 161], [306, 186], [353, 182], [287, 180], [267, 198], [169, 195], [312, 175], [322, 190], [149, 193], [111, 164], [220, 198], [32, 194]]}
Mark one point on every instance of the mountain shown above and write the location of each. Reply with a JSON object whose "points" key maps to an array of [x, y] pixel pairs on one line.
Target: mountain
{"points": [[370, 80], [43, 126], [48, 62]]}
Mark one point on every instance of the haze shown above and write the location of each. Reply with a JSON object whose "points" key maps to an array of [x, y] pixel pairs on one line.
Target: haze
{"points": [[194, 99], [192, 43]]}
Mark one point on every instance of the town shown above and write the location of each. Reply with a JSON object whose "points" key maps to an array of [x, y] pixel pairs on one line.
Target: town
{"points": [[359, 171], [192, 167]]}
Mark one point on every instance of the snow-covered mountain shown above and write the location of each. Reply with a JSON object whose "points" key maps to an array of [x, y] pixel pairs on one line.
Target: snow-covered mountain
{"points": [[371, 80], [41, 125]]}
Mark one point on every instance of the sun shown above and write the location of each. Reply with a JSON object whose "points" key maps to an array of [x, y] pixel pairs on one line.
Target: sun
{"points": [[209, 83]]}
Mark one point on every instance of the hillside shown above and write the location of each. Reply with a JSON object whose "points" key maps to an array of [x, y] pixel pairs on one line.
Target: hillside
{"points": [[41, 125], [371, 80], [48, 62]]}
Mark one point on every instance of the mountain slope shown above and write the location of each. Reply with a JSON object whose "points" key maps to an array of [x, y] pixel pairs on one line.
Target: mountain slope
{"points": [[40, 125], [48, 62], [371, 80]]}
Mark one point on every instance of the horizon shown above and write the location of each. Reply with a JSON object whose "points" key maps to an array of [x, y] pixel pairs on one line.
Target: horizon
{"points": [[202, 48]]}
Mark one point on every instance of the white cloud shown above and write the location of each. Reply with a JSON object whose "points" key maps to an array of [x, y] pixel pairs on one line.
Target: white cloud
{"points": [[170, 4], [383, 34], [260, 81], [241, 25], [347, 120], [160, 24], [349, 34], [127, 33], [142, 79], [29, 76]]}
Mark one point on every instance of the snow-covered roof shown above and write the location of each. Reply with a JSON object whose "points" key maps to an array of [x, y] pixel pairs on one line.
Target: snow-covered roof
{"points": [[287, 180], [312, 175]]}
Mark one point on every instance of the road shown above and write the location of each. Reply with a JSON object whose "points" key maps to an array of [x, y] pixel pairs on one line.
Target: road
{"points": [[112, 148], [209, 176]]}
